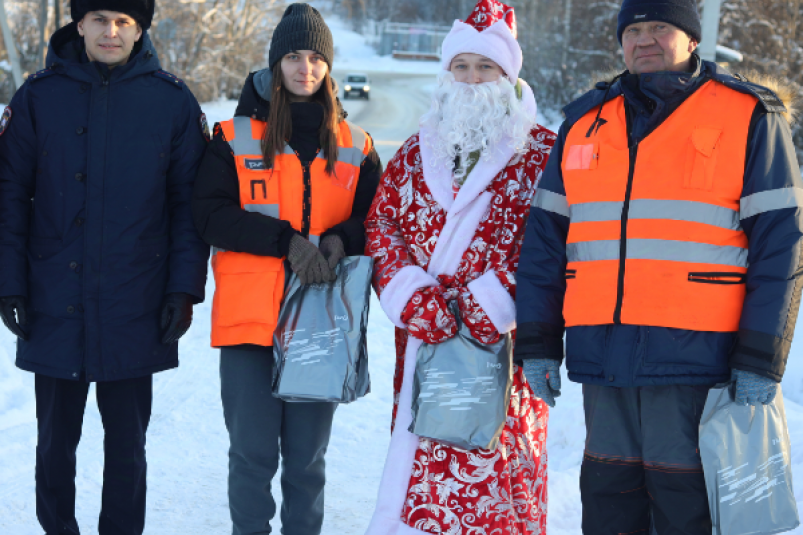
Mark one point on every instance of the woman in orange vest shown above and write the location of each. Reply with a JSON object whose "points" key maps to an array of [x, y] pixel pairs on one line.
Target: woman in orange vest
{"points": [[288, 178]]}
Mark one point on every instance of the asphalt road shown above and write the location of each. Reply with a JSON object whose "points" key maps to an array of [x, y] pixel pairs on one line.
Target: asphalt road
{"points": [[391, 115]]}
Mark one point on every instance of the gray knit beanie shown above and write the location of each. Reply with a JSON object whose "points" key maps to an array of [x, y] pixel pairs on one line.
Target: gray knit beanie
{"points": [[301, 28]]}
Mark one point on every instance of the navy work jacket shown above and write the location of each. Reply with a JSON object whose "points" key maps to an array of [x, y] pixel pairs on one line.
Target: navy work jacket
{"points": [[638, 355], [96, 175]]}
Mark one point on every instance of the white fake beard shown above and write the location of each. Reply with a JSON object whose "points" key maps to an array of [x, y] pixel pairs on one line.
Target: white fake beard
{"points": [[465, 118]]}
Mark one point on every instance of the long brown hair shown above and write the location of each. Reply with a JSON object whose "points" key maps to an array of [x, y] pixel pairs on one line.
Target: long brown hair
{"points": [[280, 126]]}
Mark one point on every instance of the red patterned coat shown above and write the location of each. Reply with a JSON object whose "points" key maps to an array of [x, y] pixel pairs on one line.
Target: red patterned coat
{"points": [[417, 229]]}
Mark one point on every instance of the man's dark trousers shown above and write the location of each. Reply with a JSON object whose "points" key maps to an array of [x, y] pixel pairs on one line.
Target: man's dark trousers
{"points": [[125, 409], [642, 464]]}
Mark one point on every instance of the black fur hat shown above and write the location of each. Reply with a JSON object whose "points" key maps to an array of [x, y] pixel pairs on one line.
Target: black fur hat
{"points": [[139, 10]]}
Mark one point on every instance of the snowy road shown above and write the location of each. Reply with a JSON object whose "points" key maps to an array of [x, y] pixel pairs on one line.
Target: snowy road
{"points": [[187, 440]]}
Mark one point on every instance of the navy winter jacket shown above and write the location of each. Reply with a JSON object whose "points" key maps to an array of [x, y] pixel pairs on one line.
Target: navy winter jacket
{"points": [[638, 355], [96, 174]]}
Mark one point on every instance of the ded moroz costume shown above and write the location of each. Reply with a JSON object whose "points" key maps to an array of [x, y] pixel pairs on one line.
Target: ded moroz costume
{"points": [[435, 238]]}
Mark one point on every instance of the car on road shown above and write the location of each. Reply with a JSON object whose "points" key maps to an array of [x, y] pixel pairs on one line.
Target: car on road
{"points": [[356, 84]]}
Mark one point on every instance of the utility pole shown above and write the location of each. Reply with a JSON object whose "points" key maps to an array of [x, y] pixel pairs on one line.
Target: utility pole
{"points": [[708, 47], [11, 48], [43, 5], [57, 14]]}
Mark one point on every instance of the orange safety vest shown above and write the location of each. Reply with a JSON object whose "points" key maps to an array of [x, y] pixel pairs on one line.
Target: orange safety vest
{"points": [[249, 288], [655, 236]]}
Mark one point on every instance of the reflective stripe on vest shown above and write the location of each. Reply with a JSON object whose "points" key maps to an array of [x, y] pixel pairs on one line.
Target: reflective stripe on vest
{"points": [[655, 235], [249, 288]]}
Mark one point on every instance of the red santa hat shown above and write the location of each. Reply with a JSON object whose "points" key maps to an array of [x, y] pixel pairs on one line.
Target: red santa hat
{"points": [[489, 31]]}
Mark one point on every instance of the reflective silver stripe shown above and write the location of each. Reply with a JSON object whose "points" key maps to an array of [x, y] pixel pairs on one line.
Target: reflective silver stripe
{"points": [[358, 136], [216, 250], [243, 143], [288, 150], [352, 156], [315, 239], [551, 202], [774, 199], [670, 250], [697, 212], [596, 211], [271, 210]]}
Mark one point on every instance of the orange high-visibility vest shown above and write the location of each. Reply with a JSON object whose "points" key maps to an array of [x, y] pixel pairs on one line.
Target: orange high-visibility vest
{"points": [[249, 288], [655, 236]]}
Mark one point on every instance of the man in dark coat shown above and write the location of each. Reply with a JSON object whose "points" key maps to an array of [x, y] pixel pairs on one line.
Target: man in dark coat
{"points": [[665, 240], [100, 263]]}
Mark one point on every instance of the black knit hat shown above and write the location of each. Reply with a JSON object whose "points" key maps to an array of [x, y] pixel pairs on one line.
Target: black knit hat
{"points": [[680, 13], [301, 28], [139, 10]]}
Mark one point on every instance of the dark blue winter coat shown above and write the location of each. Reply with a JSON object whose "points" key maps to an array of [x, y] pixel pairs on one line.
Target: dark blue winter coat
{"points": [[96, 176], [638, 355]]}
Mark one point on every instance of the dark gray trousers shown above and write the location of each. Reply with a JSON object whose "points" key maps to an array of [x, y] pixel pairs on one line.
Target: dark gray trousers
{"points": [[641, 471], [261, 428]]}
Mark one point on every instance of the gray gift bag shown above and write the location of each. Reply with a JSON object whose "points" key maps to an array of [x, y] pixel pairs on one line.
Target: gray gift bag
{"points": [[746, 461], [319, 346], [461, 390]]}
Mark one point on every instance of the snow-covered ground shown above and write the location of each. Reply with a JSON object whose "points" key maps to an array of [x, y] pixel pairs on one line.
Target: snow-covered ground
{"points": [[187, 439]]}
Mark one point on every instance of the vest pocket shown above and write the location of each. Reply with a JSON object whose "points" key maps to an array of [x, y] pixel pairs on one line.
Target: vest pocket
{"points": [[247, 292], [713, 277], [702, 160], [581, 157]]}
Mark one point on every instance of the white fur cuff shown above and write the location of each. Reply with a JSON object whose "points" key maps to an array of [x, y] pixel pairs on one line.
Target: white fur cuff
{"points": [[495, 301], [401, 288]]}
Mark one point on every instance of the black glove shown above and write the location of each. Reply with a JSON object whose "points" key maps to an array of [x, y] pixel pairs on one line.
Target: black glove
{"points": [[176, 316], [332, 249], [307, 262], [15, 323]]}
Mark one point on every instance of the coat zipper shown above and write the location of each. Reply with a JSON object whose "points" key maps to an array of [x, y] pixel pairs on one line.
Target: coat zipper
{"points": [[306, 204], [620, 285]]}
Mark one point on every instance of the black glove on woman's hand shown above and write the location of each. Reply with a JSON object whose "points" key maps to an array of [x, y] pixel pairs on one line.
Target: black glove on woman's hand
{"points": [[307, 262], [8, 306], [332, 249], [176, 316]]}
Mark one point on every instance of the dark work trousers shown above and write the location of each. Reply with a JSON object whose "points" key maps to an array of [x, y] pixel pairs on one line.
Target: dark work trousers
{"points": [[261, 427], [125, 410], [641, 470]]}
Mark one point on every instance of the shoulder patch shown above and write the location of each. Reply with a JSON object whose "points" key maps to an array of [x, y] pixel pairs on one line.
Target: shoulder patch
{"points": [[5, 119], [44, 73], [202, 122], [171, 78]]}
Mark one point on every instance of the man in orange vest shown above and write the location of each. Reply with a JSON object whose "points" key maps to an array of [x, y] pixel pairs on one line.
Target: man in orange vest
{"points": [[665, 240]]}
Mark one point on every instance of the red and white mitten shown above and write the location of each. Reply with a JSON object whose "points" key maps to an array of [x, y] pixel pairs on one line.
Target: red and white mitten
{"points": [[428, 318]]}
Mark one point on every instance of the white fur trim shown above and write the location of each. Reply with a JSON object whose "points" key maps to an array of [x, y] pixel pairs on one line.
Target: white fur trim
{"points": [[495, 300], [386, 519], [438, 179], [495, 42], [401, 288], [457, 234], [528, 99]]}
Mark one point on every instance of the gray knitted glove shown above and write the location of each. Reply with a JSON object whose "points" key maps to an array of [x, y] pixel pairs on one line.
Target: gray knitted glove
{"points": [[536, 371], [752, 388], [332, 249], [307, 262]]}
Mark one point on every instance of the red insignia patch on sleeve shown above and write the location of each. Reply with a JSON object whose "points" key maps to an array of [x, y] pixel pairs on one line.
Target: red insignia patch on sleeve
{"points": [[5, 119], [205, 128]]}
